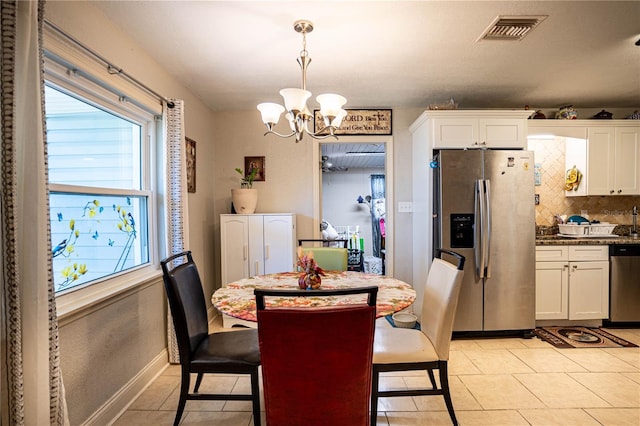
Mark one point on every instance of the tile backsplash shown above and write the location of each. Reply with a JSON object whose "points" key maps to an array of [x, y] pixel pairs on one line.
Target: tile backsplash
{"points": [[550, 155]]}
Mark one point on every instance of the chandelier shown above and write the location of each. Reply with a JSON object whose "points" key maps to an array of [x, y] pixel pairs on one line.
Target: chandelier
{"points": [[295, 102]]}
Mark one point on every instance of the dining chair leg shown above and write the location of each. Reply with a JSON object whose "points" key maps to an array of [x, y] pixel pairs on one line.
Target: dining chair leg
{"points": [[432, 378], [444, 384], [198, 382], [184, 391], [255, 391], [375, 380]]}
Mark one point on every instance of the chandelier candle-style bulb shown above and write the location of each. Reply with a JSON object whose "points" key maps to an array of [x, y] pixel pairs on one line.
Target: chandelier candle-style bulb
{"points": [[338, 120], [295, 100], [270, 113], [330, 104]]}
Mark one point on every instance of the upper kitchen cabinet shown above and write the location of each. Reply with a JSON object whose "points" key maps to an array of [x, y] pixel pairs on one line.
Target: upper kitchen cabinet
{"points": [[609, 159], [465, 129]]}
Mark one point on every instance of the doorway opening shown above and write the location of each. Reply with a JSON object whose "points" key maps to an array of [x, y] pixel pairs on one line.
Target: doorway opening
{"points": [[353, 192]]}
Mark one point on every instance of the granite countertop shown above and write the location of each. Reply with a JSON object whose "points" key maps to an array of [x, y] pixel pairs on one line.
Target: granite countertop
{"points": [[550, 240], [547, 236]]}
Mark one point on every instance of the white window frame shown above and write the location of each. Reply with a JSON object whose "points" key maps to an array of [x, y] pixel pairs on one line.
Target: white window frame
{"points": [[85, 296]]}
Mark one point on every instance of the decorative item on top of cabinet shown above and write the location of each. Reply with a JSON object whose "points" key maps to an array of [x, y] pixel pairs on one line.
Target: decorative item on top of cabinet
{"points": [[245, 198], [567, 113], [603, 115]]}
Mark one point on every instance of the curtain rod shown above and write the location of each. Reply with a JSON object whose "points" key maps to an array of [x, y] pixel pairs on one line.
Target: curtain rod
{"points": [[111, 68]]}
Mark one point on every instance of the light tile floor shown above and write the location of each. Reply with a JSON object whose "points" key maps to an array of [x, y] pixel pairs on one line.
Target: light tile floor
{"points": [[503, 381]]}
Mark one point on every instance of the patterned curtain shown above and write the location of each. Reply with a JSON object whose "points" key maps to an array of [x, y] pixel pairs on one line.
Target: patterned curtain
{"points": [[32, 388], [176, 204], [377, 211]]}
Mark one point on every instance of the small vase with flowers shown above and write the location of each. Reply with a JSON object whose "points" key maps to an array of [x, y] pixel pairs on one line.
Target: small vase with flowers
{"points": [[311, 276]]}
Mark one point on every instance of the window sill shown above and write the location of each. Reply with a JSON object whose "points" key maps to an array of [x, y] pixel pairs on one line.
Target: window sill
{"points": [[77, 304]]}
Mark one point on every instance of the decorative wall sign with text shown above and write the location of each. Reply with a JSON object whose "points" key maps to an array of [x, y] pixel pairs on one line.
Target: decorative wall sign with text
{"points": [[359, 122]]}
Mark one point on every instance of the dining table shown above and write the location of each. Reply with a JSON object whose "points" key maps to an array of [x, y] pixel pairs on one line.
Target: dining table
{"points": [[237, 300]]}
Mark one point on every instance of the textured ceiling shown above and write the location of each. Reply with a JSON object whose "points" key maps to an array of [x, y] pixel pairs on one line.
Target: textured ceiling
{"points": [[401, 54]]}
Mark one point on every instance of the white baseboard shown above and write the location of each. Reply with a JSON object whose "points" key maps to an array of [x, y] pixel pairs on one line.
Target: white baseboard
{"points": [[121, 400]]}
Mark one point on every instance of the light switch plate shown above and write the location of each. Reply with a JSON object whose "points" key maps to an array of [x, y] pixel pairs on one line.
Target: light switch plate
{"points": [[405, 207]]}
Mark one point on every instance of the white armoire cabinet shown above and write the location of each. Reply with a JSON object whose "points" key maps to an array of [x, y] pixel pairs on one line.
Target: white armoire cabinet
{"points": [[256, 244]]}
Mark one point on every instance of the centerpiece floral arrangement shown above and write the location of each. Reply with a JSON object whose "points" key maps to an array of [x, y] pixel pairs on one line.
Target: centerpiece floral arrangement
{"points": [[311, 276]]}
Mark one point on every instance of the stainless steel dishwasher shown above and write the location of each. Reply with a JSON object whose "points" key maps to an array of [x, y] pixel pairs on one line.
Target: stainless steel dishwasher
{"points": [[624, 283]]}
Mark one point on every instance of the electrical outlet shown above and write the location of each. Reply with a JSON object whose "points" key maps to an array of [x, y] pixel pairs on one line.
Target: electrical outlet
{"points": [[405, 207]]}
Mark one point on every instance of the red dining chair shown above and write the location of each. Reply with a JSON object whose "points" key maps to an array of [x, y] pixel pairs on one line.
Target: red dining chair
{"points": [[316, 361], [400, 349]]}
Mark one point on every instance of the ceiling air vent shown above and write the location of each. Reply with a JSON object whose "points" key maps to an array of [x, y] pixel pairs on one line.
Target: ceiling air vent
{"points": [[511, 27]]}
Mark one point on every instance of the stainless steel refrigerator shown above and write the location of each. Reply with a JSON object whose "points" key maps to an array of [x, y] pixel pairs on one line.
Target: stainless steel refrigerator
{"points": [[484, 209]]}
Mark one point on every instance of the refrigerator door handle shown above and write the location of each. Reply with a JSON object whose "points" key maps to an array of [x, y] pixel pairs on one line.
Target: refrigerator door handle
{"points": [[487, 231], [478, 236]]}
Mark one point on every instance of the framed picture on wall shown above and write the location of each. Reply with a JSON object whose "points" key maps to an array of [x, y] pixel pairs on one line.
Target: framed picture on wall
{"points": [[251, 163], [191, 165]]}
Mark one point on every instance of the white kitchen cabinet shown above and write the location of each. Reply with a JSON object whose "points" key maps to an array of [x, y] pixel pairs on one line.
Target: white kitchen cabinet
{"points": [[572, 282], [256, 244], [552, 282], [609, 159], [479, 129]]}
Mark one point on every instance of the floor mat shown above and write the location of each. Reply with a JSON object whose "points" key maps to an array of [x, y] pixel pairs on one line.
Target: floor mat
{"points": [[581, 337]]}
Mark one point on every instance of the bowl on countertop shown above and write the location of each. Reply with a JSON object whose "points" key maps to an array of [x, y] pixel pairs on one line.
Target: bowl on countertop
{"points": [[574, 229]]}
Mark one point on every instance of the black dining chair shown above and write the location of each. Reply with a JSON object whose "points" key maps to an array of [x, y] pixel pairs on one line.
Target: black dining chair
{"points": [[234, 352], [316, 361]]}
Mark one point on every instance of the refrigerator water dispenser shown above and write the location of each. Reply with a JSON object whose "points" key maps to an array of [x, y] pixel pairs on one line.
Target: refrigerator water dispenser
{"points": [[462, 230]]}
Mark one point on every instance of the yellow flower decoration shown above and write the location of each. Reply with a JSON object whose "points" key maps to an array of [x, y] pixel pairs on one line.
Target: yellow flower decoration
{"points": [[67, 271]]}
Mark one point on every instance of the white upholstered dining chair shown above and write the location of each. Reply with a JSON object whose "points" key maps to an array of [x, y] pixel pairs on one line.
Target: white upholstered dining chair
{"points": [[400, 349]]}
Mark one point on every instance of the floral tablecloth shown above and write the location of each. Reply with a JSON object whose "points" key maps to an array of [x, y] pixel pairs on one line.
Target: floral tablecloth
{"points": [[237, 300]]}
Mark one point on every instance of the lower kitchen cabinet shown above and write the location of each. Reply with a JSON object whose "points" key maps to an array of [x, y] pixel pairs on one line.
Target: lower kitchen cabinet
{"points": [[572, 282]]}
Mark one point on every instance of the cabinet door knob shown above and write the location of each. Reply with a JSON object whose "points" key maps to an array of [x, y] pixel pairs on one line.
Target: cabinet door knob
{"points": [[619, 191], [611, 192]]}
